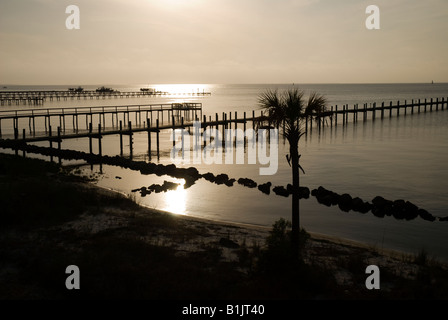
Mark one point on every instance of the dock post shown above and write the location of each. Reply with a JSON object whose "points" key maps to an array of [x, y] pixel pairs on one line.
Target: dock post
{"points": [[16, 137], [336, 115], [130, 137], [59, 139], [100, 151], [374, 111], [425, 105], [437, 104], [236, 120], [224, 125], [253, 120], [405, 107], [182, 135], [51, 143], [174, 131], [121, 138], [24, 143], [430, 108], [148, 125], [50, 135], [419, 104], [382, 110], [90, 138], [412, 107], [390, 109], [398, 108], [157, 138]]}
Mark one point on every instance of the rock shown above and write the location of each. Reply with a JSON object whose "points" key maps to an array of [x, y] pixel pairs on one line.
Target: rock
{"points": [[170, 169], [382, 207], [358, 204], [209, 176], [281, 191], [155, 188], [398, 209], [425, 215], [345, 202], [221, 178], [247, 182], [230, 182], [411, 211], [443, 218], [189, 181], [325, 197], [265, 188], [167, 185], [118, 177], [304, 192], [225, 242]]}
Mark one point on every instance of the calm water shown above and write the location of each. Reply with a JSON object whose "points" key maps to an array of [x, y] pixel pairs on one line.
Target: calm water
{"points": [[398, 158]]}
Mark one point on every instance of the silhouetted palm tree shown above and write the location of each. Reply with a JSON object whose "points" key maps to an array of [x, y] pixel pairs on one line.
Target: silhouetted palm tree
{"points": [[289, 110]]}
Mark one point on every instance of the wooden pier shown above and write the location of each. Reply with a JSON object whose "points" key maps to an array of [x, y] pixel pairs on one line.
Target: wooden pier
{"points": [[39, 97], [373, 111], [117, 120], [173, 111], [123, 129]]}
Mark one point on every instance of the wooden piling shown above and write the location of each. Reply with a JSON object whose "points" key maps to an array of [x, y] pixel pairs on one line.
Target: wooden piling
{"points": [[24, 143], [90, 138], [130, 138], [121, 137], [157, 137], [100, 150], [59, 139], [148, 125]]}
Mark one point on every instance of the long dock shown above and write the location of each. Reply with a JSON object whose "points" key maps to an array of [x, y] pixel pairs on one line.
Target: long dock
{"points": [[378, 111], [114, 113], [39, 97], [179, 116]]}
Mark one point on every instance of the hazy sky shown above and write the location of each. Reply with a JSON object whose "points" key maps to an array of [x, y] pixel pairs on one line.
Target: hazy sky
{"points": [[222, 41]]}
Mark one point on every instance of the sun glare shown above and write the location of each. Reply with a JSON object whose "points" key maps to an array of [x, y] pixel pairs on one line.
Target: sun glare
{"points": [[176, 199], [182, 88]]}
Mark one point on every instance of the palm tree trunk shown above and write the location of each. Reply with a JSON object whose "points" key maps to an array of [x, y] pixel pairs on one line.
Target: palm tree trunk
{"points": [[293, 149]]}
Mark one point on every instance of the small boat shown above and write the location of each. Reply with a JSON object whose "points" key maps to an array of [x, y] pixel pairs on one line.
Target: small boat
{"points": [[79, 89], [105, 90]]}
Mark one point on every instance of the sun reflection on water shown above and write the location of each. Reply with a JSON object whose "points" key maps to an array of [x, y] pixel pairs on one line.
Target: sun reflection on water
{"points": [[182, 88], [175, 200]]}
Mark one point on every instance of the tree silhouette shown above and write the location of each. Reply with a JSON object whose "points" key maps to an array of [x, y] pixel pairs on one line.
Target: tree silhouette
{"points": [[289, 110]]}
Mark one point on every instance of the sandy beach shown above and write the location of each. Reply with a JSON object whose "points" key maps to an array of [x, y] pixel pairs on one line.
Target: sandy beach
{"points": [[126, 250]]}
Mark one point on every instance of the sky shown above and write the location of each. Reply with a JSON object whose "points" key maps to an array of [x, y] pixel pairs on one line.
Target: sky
{"points": [[222, 41]]}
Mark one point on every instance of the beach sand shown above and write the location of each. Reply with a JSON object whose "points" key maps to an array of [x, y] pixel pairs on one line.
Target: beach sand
{"points": [[109, 236]]}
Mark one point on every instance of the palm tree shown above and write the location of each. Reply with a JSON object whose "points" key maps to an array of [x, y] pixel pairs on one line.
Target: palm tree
{"points": [[290, 110]]}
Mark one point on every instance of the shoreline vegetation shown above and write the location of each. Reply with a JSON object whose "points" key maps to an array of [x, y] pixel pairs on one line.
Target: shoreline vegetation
{"points": [[51, 219]]}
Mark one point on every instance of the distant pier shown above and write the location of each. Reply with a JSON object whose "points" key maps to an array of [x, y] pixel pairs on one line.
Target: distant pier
{"points": [[39, 97]]}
